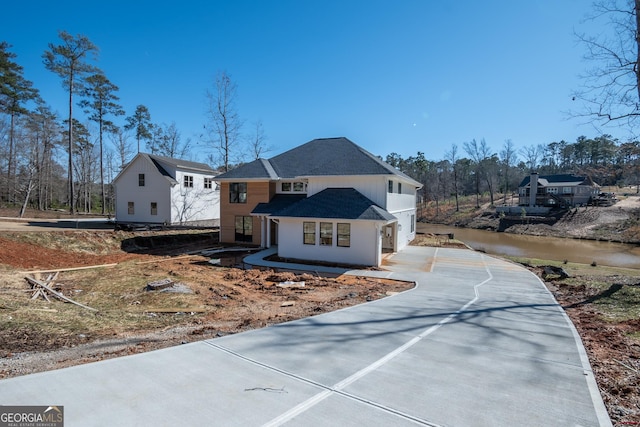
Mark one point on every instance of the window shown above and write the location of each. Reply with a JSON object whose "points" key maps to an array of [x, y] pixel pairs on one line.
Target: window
{"points": [[140, 180], [309, 233], [390, 186], [413, 223], [552, 190], [566, 190], [326, 233], [154, 208], [244, 229], [287, 187], [238, 192], [344, 235], [399, 188], [208, 183], [188, 181], [130, 208]]}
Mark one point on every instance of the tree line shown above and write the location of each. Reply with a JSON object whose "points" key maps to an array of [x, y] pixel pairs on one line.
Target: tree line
{"points": [[55, 161], [477, 168]]}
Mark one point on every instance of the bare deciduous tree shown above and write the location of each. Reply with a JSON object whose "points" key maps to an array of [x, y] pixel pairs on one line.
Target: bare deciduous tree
{"points": [[452, 157], [532, 155], [611, 90], [508, 157], [124, 151], [258, 141], [224, 122]]}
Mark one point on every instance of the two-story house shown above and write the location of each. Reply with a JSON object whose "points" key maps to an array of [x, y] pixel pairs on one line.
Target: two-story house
{"points": [[154, 189], [327, 200], [551, 191]]}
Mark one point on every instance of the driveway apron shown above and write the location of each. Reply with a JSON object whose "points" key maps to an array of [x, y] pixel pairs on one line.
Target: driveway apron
{"points": [[478, 342]]}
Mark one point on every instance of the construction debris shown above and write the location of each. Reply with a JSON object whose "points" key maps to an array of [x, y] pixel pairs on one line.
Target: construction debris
{"points": [[159, 284], [41, 289], [168, 285], [291, 284], [548, 270]]}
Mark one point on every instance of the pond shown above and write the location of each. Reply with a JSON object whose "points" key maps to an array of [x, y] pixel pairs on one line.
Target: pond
{"points": [[552, 248]]}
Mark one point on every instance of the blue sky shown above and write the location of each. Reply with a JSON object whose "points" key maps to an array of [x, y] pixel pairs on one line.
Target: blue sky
{"points": [[393, 76]]}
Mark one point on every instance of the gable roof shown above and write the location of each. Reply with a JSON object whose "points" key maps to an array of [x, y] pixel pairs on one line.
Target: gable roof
{"points": [[179, 163], [319, 157], [335, 203], [161, 162], [567, 180]]}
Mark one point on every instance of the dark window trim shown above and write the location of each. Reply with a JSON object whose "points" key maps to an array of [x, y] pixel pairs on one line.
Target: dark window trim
{"points": [[309, 237], [326, 236], [238, 192], [245, 233], [341, 236]]}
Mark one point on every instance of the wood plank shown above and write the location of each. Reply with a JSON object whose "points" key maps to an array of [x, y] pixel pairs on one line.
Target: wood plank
{"points": [[57, 270]]}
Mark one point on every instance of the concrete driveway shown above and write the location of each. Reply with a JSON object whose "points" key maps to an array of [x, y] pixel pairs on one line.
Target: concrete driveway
{"points": [[478, 342]]}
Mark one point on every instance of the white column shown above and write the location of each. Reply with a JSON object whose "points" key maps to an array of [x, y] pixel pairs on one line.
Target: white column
{"points": [[268, 225]]}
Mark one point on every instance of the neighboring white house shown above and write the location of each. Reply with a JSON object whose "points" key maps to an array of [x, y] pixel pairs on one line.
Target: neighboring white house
{"points": [[327, 200], [161, 190]]}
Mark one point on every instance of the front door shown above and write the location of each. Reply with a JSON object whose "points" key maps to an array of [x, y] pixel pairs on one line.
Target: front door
{"points": [[388, 238]]}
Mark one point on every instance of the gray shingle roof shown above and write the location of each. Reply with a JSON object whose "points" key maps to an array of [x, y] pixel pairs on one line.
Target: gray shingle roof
{"points": [[179, 163], [336, 203], [564, 179], [320, 157], [277, 203]]}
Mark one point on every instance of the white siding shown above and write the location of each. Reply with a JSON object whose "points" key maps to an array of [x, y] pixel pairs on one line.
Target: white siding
{"points": [[405, 225], [195, 203], [363, 250], [175, 204], [372, 187], [156, 189]]}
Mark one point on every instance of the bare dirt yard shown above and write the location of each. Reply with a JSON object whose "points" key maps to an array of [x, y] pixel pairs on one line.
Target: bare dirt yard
{"points": [[206, 300]]}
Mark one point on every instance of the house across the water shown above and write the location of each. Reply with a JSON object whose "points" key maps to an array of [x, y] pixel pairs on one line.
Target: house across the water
{"points": [[557, 190]]}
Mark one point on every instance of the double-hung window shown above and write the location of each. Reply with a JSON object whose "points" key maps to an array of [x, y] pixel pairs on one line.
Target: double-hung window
{"points": [[154, 208], [208, 183], [309, 232], [140, 180], [326, 233], [344, 234], [130, 208], [188, 181]]}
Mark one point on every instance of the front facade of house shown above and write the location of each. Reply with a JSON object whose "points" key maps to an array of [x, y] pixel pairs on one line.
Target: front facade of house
{"points": [[161, 190], [556, 190], [327, 200]]}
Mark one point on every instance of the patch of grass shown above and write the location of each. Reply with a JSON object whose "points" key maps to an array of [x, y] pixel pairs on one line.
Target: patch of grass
{"points": [[614, 290], [118, 293]]}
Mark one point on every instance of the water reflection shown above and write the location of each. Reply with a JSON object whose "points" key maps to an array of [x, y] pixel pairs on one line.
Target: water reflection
{"points": [[553, 248]]}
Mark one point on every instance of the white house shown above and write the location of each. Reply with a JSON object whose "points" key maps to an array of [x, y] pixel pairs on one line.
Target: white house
{"points": [[161, 190], [327, 200]]}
